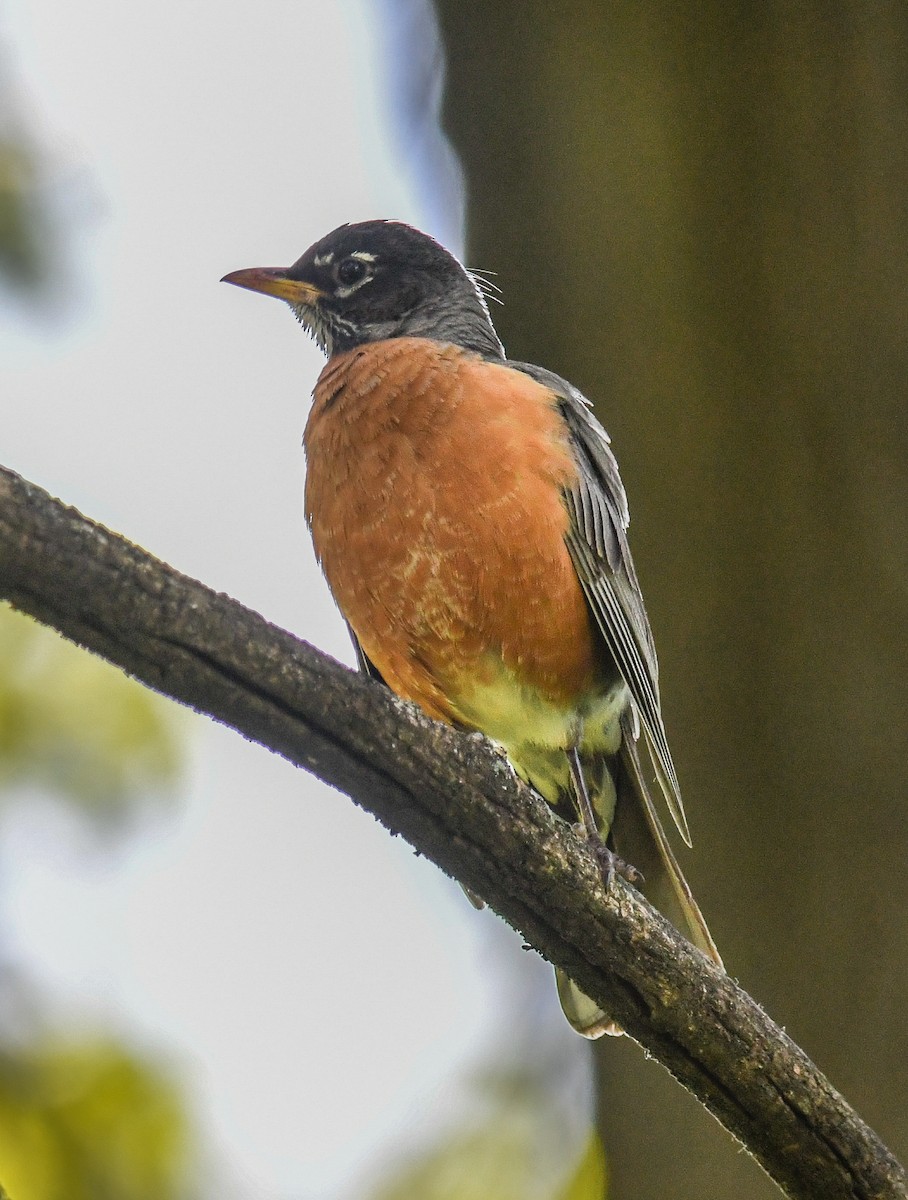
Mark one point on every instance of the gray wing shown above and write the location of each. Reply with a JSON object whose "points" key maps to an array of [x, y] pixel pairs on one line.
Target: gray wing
{"points": [[598, 545], [365, 664]]}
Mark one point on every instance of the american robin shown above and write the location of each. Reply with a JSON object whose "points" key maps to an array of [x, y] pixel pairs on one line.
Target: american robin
{"points": [[469, 517]]}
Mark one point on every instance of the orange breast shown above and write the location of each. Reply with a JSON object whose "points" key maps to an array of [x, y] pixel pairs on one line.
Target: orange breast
{"points": [[433, 493]]}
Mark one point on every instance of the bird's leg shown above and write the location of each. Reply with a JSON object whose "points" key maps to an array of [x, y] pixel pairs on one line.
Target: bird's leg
{"points": [[609, 862]]}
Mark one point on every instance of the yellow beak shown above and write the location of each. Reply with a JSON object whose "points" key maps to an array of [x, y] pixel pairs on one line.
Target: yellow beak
{"points": [[273, 281]]}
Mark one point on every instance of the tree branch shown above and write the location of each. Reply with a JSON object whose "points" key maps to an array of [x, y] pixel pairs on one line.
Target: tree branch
{"points": [[456, 800]]}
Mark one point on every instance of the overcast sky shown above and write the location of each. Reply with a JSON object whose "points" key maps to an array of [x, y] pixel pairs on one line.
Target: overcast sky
{"points": [[318, 988]]}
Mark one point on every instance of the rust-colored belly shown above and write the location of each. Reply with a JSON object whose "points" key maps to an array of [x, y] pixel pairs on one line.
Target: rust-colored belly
{"points": [[433, 493]]}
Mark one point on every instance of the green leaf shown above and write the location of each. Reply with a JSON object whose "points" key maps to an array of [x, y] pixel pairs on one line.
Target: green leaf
{"points": [[77, 726], [85, 1120]]}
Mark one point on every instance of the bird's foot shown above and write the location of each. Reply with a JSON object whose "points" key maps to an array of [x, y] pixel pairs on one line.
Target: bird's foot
{"points": [[611, 865]]}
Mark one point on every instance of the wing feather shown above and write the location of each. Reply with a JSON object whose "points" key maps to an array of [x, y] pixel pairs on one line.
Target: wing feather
{"points": [[597, 542]]}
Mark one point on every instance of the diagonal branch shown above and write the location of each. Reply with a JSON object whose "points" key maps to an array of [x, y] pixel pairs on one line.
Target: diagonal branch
{"points": [[459, 804]]}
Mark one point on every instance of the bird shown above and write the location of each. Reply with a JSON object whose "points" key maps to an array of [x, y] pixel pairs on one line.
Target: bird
{"points": [[469, 517]]}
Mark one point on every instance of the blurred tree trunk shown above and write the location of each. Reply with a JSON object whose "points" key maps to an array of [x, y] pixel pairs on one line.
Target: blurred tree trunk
{"points": [[699, 215]]}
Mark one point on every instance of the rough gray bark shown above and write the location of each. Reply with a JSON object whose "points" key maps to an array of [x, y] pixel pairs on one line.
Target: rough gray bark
{"points": [[454, 798]]}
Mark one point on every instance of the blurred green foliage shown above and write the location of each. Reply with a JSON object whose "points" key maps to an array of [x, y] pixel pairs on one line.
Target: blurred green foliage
{"points": [[509, 1152], [74, 724], [83, 1118], [28, 238], [23, 230], [492, 1162], [87, 1120]]}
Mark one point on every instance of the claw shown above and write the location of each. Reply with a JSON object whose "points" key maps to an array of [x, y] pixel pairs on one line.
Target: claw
{"points": [[611, 865]]}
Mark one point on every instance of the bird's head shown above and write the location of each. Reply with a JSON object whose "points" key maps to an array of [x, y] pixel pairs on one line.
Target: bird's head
{"points": [[377, 280]]}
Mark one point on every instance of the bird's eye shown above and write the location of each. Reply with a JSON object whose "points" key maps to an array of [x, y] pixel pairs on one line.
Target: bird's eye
{"points": [[350, 271]]}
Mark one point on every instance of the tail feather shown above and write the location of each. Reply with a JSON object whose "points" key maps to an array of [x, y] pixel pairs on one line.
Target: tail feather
{"points": [[639, 838]]}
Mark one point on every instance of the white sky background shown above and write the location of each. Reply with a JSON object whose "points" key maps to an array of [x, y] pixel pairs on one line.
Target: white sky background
{"points": [[322, 993]]}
